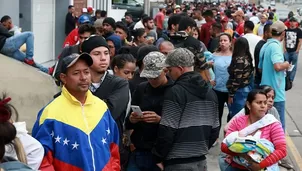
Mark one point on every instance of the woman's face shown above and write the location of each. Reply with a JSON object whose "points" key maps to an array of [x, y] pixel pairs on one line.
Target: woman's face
{"points": [[258, 107], [224, 42], [195, 34], [270, 99], [126, 72], [111, 48], [142, 39]]}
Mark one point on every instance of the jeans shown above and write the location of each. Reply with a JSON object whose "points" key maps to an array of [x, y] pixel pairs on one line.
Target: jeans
{"points": [[224, 166], [194, 166], [142, 161], [292, 58], [12, 46], [222, 99], [280, 106], [239, 101]]}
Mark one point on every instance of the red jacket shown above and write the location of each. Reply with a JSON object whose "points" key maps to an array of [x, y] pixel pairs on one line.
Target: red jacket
{"points": [[72, 38], [205, 35]]}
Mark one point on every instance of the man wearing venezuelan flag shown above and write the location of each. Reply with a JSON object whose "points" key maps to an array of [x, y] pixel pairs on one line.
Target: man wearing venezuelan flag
{"points": [[76, 129]]}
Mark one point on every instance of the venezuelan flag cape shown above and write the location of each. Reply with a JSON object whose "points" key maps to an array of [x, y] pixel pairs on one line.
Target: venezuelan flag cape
{"points": [[77, 137]]}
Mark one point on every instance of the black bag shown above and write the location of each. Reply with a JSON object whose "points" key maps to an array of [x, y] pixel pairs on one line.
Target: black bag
{"points": [[288, 83]]}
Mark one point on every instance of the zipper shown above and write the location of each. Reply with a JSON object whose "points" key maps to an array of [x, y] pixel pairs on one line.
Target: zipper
{"points": [[89, 141]]}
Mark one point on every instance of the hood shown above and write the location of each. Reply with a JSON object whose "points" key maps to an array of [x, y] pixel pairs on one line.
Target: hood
{"points": [[193, 83], [116, 41], [21, 128]]}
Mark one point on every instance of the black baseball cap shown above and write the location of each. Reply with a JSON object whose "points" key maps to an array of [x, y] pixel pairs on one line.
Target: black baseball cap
{"points": [[70, 60]]}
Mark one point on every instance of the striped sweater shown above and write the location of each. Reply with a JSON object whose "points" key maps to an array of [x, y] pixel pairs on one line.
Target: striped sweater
{"points": [[274, 133]]}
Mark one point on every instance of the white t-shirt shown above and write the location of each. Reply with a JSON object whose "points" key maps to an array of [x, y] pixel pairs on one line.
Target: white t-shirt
{"points": [[253, 40], [139, 25], [255, 20]]}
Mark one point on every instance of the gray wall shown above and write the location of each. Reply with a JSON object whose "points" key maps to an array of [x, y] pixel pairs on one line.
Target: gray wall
{"points": [[61, 11], [25, 7], [11, 8]]}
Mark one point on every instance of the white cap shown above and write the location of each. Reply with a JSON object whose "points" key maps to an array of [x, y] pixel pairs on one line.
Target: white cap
{"points": [[84, 10]]}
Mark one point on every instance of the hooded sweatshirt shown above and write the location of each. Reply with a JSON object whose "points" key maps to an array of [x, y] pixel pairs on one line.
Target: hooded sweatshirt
{"points": [[189, 124], [33, 148], [116, 41]]}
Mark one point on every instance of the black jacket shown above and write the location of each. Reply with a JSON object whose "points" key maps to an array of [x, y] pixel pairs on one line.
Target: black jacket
{"points": [[189, 125], [258, 75], [70, 23], [4, 34], [148, 99], [114, 91]]}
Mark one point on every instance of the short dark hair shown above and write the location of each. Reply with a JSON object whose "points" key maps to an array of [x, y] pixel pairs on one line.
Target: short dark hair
{"points": [[87, 28], [143, 52], [98, 12], [5, 18], [70, 6], [173, 20], [121, 59], [146, 19], [208, 13], [186, 22], [249, 25], [217, 26], [103, 13], [266, 28], [169, 11], [129, 15], [122, 26]]}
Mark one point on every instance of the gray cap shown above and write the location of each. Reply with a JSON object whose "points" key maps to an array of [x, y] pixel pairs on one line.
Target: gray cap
{"points": [[151, 68], [179, 57]]}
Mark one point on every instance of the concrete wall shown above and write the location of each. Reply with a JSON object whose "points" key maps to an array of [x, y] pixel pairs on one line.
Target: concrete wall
{"points": [[44, 30], [11, 8], [25, 7], [29, 88], [61, 11]]}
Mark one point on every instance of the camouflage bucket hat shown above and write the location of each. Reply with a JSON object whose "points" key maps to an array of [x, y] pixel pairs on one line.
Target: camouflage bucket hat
{"points": [[179, 57], [151, 68]]}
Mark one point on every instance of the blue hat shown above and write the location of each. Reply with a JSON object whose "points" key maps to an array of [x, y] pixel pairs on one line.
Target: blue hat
{"points": [[84, 19]]}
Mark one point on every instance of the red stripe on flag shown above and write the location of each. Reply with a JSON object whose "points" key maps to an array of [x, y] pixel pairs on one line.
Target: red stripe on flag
{"points": [[114, 161]]}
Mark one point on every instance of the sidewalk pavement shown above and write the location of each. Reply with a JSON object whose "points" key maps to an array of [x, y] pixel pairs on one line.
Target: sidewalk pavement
{"points": [[212, 157]]}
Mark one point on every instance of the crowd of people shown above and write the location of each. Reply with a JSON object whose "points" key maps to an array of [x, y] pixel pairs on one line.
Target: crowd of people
{"points": [[150, 95]]}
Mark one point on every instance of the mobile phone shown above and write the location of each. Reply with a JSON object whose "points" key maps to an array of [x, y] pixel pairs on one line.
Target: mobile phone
{"points": [[291, 68], [137, 110]]}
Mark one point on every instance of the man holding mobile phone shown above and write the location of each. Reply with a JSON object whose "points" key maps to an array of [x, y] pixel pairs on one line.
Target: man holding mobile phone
{"points": [[148, 97]]}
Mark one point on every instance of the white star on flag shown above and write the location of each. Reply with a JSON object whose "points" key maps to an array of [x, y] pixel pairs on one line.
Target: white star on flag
{"points": [[66, 141], [104, 141], [108, 131], [75, 145], [52, 134], [58, 139]]}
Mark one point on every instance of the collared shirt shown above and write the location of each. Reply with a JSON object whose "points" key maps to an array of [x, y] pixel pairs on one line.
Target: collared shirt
{"points": [[94, 86]]}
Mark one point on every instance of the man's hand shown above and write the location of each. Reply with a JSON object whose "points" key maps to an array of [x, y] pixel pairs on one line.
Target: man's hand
{"points": [[161, 166], [151, 117], [287, 65], [134, 118], [213, 83]]}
